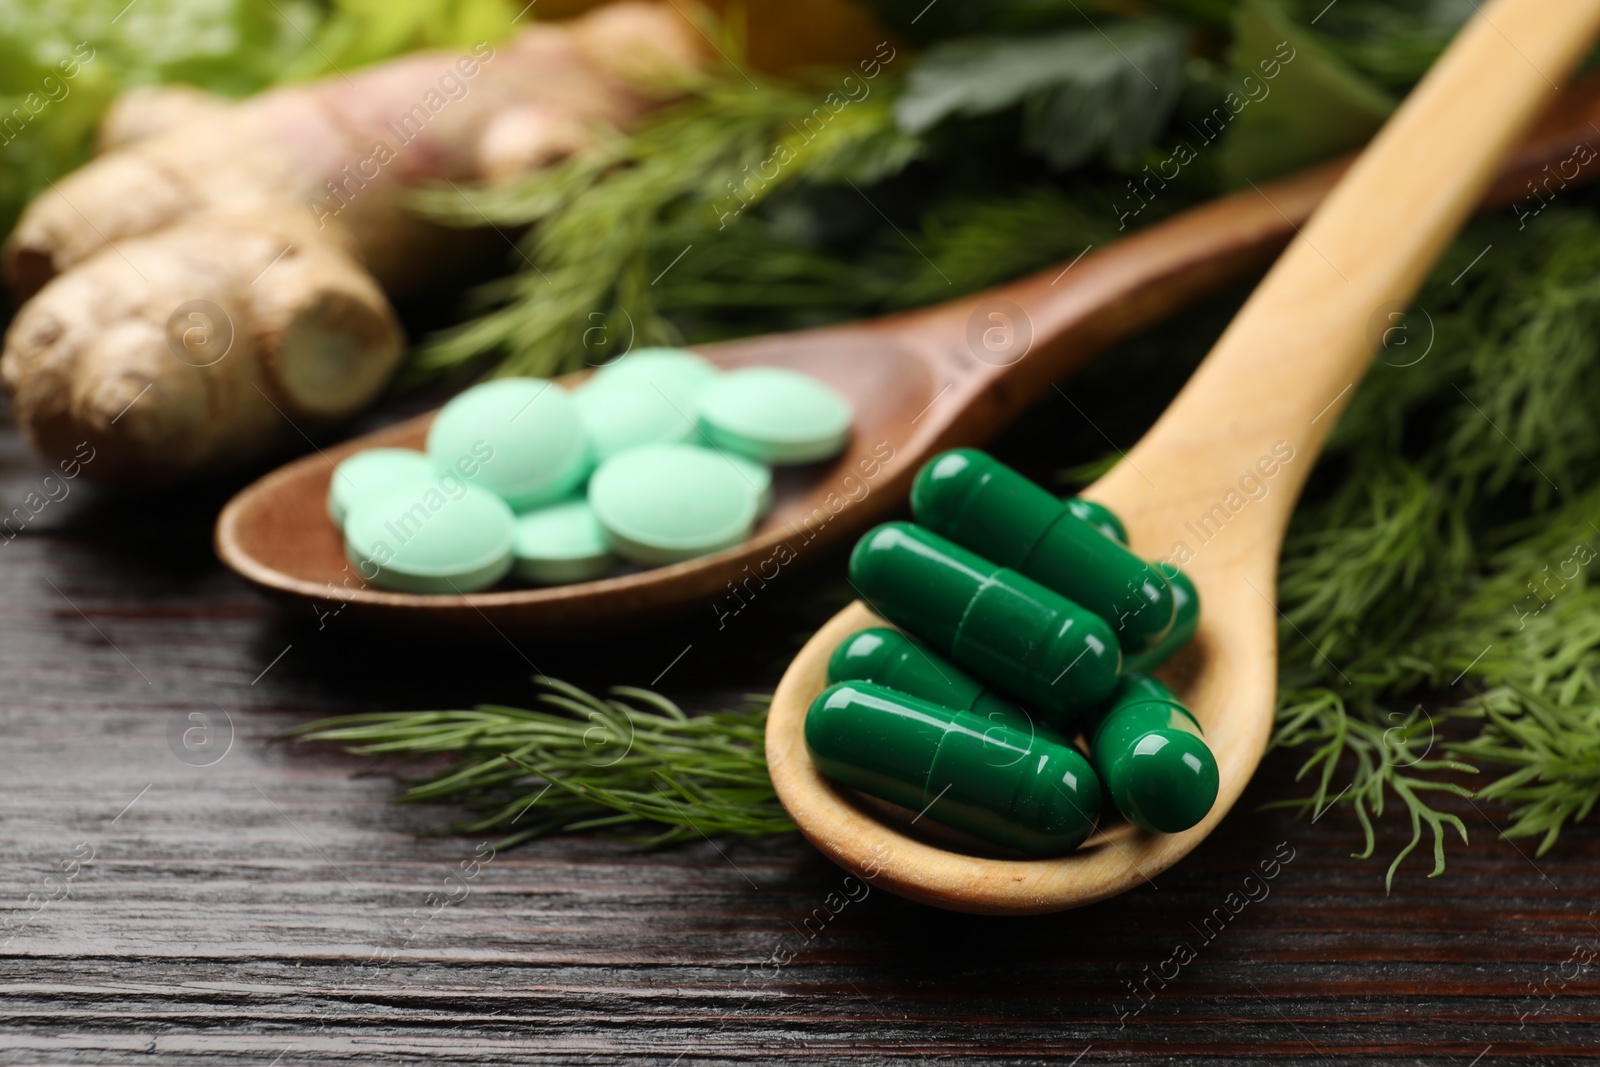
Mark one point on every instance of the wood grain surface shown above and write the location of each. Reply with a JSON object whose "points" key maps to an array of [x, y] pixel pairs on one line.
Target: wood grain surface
{"points": [[275, 908]]}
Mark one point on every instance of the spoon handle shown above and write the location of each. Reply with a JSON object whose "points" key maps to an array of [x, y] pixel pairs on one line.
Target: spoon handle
{"points": [[1288, 363]]}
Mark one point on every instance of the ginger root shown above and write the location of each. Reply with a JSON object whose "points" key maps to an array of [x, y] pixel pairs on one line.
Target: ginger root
{"points": [[213, 286]]}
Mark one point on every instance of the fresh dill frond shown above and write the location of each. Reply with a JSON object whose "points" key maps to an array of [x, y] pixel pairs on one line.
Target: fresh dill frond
{"points": [[1554, 749], [1439, 618], [1389, 757], [1438, 570], [633, 762], [972, 245], [607, 227]]}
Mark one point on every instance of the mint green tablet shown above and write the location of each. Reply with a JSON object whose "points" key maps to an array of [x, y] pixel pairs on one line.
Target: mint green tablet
{"points": [[774, 415], [430, 540], [665, 503], [669, 368], [759, 475], [373, 471], [561, 543], [518, 437], [625, 413]]}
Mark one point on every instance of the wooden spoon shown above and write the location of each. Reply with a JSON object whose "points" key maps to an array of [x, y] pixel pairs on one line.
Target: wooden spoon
{"points": [[922, 381], [1264, 399]]}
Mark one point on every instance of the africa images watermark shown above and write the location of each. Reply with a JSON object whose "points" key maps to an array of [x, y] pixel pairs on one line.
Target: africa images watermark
{"points": [[1254, 485], [852, 890], [453, 85], [1553, 584], [57, 885], [52, 90], [1254, 888], [1543, 194], [54, 491], [1212, 126], [404, 524], [1580, 959], [854, 491], [852, 90]]}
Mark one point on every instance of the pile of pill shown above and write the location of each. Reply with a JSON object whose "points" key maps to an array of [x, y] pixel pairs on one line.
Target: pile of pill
{"points": [[659, 457], [1026, 622]]}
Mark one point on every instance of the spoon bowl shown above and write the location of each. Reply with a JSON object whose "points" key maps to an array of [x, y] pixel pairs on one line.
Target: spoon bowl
{"points": [[1211, 486], [920, 382]]}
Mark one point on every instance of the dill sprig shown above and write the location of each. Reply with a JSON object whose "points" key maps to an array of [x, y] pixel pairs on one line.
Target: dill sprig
{"points": [[1439, 620], [1435, 582], [609, 226], [632, 761], [1555, 750], [1386, 760], [1436, 575]]}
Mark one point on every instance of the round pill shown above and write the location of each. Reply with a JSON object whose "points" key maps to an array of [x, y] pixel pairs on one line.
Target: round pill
{"points": [[665, 503], [373, 471], [623, 414], [759, 475], [669, 368], [561, 543], [429, 541], [518, 437], [774, 415]]}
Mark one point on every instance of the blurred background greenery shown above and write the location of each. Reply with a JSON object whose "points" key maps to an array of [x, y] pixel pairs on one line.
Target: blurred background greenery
{"points": [[1438, 634]]}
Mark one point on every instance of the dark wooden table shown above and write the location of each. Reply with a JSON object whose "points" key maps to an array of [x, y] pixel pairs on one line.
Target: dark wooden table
{"points": [[274, 908]]}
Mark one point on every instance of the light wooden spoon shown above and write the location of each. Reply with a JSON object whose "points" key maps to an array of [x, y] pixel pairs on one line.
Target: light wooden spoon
{"points": [[1273, 386], [922, 381]]}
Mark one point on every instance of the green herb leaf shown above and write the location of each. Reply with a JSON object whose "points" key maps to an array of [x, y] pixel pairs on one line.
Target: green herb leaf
{"points": [[359, 32], [613, 224], [1439, 575], [1082, 91], [1391, 42], [1316, 107], [633, 763], [924, 23], [229, 47]]}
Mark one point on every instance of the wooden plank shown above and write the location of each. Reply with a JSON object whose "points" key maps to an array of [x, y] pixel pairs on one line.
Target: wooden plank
{"points": [[231, 913]]}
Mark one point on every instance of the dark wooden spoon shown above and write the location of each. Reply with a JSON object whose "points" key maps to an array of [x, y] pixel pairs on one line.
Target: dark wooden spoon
{"points": [[922, 381]]}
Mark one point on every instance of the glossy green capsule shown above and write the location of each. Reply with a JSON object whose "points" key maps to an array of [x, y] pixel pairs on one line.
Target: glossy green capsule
{"points": [[1149, 750], [891, 659], [1099, 516], [1187, 599], [1007, 629], [980, 503], [1002, 784]]}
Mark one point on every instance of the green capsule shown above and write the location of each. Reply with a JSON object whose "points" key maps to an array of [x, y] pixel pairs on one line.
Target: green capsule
{"points": [[980, 503], [1007, 629], [1099, 516], [1151, 753], [894, 661], [1187, 599], [1002, 784]]}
